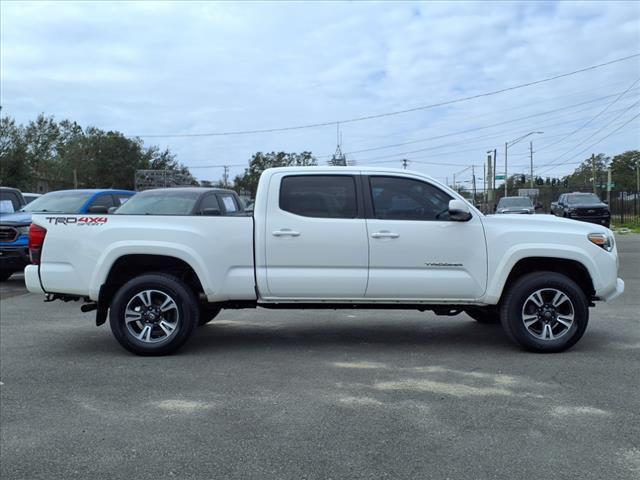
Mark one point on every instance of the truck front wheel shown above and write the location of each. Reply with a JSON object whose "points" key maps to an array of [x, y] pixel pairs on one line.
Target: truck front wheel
{"points": [[153, 314], [545, 312]]}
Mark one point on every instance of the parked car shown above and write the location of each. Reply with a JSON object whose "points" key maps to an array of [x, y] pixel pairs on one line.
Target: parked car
{"points": [[322, 237], [515, 205], [14, 227], [11, 200], [586, 207], [183, 201], [30, 197]]}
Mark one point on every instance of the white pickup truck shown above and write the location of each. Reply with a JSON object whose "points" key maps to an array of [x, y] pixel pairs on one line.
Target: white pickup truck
{"points": [[323, 237]]}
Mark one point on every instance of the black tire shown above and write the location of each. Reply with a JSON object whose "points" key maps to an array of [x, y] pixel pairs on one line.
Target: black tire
{"points": [[208, 313], [4, 275], [485, 315], [182, 316], [517, 304]]}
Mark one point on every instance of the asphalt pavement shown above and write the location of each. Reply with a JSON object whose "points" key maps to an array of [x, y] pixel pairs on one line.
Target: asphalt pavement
{"points": [[261, 394]]}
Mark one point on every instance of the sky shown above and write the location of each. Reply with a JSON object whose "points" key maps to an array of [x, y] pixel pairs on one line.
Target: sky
{"points": [[159, 70]]}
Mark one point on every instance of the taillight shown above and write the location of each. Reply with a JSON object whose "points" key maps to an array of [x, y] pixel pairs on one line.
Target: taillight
{"points": [[36, 240]]}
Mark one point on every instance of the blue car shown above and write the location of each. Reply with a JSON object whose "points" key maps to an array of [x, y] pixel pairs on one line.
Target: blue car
{"points": [[14, 227]]}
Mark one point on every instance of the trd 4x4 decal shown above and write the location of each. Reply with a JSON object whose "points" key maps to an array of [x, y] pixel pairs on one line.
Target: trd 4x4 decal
{"points": [[80, 221]]}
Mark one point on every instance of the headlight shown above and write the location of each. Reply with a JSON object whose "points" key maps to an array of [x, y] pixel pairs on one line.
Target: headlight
{"points": [[23, 230], [602, 240]]}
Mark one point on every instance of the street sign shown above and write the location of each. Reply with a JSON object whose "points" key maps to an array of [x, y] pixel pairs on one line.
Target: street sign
{"points": [[499, 177]]}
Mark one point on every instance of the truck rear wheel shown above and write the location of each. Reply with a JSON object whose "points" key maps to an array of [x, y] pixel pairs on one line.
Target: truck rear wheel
{"points": [[545, 312], [153, 314]]}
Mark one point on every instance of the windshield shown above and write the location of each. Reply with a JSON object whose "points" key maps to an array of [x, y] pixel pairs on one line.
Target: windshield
{"points": [[68, 201], [160, 202], [515, 202], [583, 198]]}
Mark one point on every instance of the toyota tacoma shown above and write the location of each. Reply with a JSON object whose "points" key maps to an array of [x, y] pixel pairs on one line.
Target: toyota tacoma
{"points": [[324, 237]]}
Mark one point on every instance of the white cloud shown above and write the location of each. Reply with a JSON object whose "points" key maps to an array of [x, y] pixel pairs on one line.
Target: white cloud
{"points": [[161, 67]]}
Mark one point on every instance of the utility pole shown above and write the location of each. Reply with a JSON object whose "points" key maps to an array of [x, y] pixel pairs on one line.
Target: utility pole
{"points": [[531, 156], [484, 185], [609, 185], [637, 178], [225, 175], [404, 164], [493, 178], [473, 176], [506, 146], [454, 182], [593, 166], [75, 179]]}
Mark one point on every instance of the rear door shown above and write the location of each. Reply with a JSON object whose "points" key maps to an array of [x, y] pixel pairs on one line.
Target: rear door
{"points": [[416, 251], [316, 244]]}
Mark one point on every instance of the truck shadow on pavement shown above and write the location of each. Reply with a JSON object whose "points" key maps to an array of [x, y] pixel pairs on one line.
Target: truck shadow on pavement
{"points": [[229, 336]]}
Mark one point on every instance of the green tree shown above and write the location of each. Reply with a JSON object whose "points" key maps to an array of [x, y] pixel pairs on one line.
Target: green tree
{"points": [[624, 170], [64, 155], [248, 182], [14, 169], [583, 176]]}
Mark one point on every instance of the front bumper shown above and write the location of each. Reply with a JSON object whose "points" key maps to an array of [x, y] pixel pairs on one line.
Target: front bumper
{"points": [[615, 292], [14, 258], [32, 279]]}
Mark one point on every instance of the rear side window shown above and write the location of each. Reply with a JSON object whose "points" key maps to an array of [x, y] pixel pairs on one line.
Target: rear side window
{"points": [[229, 203], [320, 196], [103, 201], [210, 202]]}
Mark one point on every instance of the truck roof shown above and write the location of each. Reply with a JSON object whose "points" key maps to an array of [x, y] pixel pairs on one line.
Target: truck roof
{"points": [[351, 169]]}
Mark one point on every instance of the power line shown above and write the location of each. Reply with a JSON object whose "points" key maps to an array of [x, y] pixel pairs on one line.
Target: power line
{"points": [[592, 118], [461, 142], [493, 112], [620, 127], [597, 131], [393, 113], [475, 129]]}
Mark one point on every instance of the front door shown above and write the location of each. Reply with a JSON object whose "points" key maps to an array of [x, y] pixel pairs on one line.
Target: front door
{"points": [[316, 244], [416, 251]]}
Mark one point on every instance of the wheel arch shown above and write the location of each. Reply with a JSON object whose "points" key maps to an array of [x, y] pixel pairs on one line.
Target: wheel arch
{"points": [[573, 269], [129, 266]]}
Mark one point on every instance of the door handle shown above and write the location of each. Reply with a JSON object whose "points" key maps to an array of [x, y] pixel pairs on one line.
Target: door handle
{"points": [[384, 234], [285, 232]]}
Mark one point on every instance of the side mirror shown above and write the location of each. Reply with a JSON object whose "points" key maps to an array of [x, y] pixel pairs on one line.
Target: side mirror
{"points": [[98, 209], [112, 209], [459, 211], [213, 212]]}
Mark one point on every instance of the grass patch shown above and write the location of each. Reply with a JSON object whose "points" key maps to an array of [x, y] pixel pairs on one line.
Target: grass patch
{"points": [[633, 227]]}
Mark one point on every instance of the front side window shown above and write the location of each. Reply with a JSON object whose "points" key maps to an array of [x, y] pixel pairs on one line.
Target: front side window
{"points": [[396, 198], [320, 196]]}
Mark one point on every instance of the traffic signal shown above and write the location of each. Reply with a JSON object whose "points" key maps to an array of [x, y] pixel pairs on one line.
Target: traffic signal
{"points": [[523, 179], [566, 182]]}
